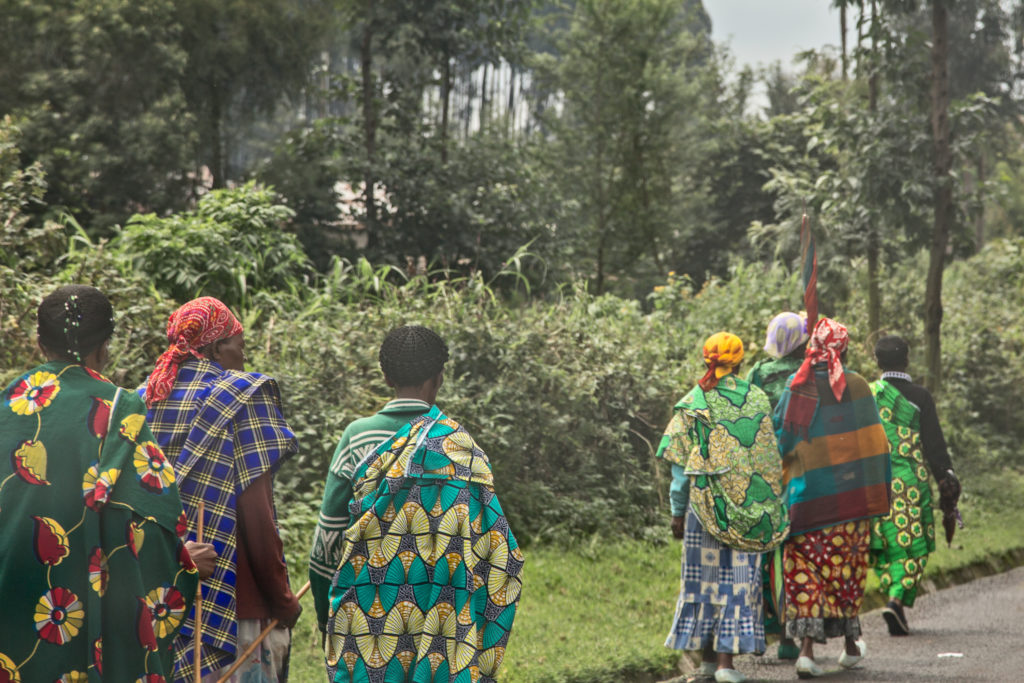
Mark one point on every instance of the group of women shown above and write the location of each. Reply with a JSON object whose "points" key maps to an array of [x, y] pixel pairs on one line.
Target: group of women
{"points": [[782, 485], [782, 493], [116, 504]]}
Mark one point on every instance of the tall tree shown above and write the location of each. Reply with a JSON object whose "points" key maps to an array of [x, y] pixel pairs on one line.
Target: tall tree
{"points": [[632, 98], [96, 87], [943, 191], [244, 58]]}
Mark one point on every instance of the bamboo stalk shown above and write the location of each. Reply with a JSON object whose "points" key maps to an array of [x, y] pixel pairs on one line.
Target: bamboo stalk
{"points": [[197, 658], [252, 647]]}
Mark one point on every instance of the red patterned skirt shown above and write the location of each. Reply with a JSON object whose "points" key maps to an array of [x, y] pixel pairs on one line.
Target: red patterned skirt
{"points": [[824, 576]]}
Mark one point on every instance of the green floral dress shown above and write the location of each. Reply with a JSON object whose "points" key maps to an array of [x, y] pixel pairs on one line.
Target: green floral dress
{"points": [[902, 540], [94, 579]]}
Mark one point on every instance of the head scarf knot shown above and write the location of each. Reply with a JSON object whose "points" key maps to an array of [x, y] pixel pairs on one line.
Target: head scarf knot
{"points": [[722, 353], [786, 332], [828, 342], [200, 322]]}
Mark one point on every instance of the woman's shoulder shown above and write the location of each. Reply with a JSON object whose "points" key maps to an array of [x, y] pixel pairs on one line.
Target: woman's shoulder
{"points": [[857, 385]]}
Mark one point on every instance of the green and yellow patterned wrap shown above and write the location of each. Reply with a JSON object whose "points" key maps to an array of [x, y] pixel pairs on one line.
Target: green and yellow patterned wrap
{"points": [[725, 441], [902, 540], [429, 576]]}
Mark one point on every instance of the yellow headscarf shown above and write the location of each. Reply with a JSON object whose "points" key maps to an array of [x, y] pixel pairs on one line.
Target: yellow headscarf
{"points": [[722, 353]]}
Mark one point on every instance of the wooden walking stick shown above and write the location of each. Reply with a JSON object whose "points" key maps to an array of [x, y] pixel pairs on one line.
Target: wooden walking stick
{"points": [[198, 627], [256, 643]]}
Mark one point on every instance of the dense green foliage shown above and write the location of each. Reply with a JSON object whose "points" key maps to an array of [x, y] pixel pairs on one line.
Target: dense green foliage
{"points": [[568, 394]]}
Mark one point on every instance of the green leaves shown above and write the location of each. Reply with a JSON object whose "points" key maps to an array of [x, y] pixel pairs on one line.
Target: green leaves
{"points": [[232, 245]]}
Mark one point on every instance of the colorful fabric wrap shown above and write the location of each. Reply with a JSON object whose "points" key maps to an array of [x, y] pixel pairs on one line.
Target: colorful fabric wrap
{"points": [[839, 470], [786, 332], [902, 540], [826, 346], [225, 429], [429, 577], [725, 441], [825, 572], [200, 322], [95, 577], [722, 353]]}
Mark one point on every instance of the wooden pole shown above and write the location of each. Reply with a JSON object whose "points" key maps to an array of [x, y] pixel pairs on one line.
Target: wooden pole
{"points": [[197, 634], [252, 648]]}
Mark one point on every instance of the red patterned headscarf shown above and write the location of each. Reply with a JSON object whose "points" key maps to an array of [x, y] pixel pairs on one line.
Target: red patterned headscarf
{"points": [[198, 323], [722, 353], [828, 342]]}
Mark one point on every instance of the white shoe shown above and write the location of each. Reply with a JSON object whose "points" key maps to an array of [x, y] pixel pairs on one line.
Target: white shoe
{"points": [[849, 661], [729, 676], [808, 668], [707, 670]]}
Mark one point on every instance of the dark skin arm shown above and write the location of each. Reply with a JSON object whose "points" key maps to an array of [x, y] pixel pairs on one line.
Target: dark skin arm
{"points": [[256, 524]]}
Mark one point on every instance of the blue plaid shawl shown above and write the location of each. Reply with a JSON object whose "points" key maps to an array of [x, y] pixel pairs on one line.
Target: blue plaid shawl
{"points": [[223, 429]]}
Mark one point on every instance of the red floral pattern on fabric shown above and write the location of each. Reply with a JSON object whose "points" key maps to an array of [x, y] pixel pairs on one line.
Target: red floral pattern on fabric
{"points": [[167, 608], [50, 540], [99, 416], [59, 616], [191, 327], [144, 627], [825, 571], [34, 393], [99, 573], [30, 460], [97, 654], [181, 528], [155, 472], [8, 670], [97, 486]]}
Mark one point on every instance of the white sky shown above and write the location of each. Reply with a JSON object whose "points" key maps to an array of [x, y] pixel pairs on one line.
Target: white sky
{"points": [[762, 31]]}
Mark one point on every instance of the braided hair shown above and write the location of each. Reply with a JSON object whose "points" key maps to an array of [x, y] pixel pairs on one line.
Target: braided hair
{"points": [[892, 352], [412, 354], [74, 321]]}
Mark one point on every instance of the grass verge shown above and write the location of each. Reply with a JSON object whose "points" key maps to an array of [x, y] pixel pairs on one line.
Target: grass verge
{"points": [[598, 611]]}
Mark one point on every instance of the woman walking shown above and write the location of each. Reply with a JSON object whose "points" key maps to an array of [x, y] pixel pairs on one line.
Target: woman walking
{"points": [[837, 473], [727, 507]]}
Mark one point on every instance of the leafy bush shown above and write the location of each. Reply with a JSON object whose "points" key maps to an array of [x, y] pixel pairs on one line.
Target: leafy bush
{"points": [[232, 244]]}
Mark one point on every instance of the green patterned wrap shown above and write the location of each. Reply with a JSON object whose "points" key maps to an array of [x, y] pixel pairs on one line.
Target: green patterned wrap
{"points": [[725, 440], [429, 578], [94, 579], [902, 540]]}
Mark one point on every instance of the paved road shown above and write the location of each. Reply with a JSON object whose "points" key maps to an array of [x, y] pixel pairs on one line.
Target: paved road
{"points": [[983, 620]]}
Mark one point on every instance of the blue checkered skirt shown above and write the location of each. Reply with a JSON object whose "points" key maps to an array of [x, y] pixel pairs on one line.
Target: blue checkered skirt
{"points": [[720, 601]]}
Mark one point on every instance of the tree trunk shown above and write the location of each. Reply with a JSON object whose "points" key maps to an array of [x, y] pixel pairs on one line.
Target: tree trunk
{"points": [[943, 193], [842, 37], [446, 91], [979, 221], [511, 124], [483, 96], [369, 126], [873, 241], [217, 170]]}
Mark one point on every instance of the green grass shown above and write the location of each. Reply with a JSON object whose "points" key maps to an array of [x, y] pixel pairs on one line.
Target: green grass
{"points": [[599, 610]]}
